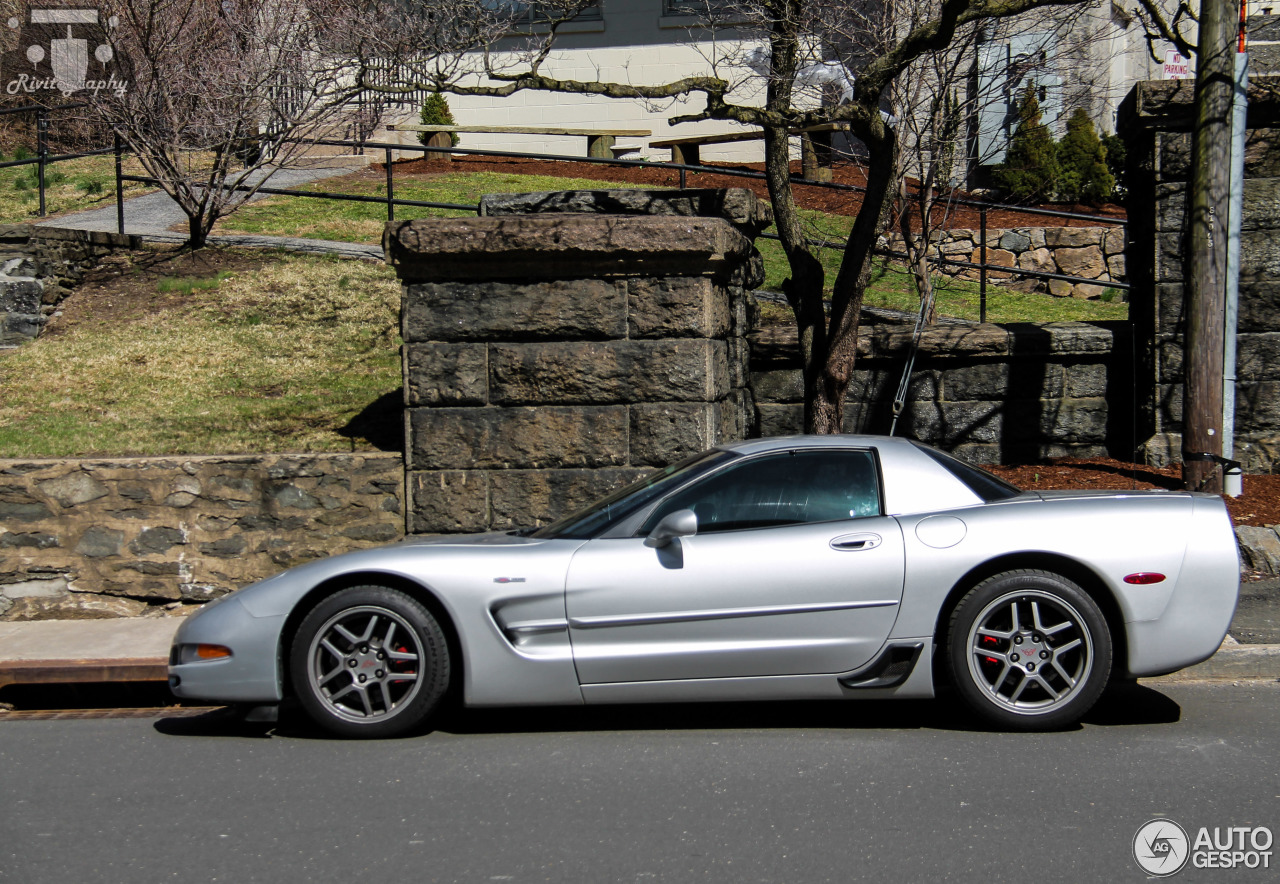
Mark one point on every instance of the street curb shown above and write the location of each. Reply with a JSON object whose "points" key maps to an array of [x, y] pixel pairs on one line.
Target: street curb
{"points": [[1232, 662]]}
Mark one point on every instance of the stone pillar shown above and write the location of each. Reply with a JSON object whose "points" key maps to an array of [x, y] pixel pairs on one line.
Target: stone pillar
{"points": [[568, 343], [1155, 120]]}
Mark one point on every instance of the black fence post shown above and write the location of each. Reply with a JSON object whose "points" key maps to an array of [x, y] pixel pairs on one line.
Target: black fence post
{"points": [[682, 177], [982, 271], [42, 152], [391, 206], [119, 151]]}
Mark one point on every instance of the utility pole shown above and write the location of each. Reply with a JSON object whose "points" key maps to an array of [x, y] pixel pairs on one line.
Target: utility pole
{"points": [[1206, 282]]}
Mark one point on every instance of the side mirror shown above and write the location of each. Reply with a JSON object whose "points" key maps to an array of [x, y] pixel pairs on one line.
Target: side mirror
{"points": [[681, 523]]}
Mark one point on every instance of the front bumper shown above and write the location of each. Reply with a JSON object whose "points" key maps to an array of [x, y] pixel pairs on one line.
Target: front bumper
{"points": [[252, 674]]}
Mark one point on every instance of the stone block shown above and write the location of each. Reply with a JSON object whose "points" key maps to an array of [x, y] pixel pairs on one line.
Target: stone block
{"points": [[446, 374], [1073, 237], [663, 433], [998, 257], [524, 498], [506, 438], [99, 542], [529, 247], [152, 541], [448, 501], [484, 311], [1038, 261], [1258, 356], [1001, 380], [28, 540], [781, 385], [21, 508], [1259, 549], [1260, 413], [607, 372], [20, 295], [1116, 268], [686, 307], [779, 420], [1259, 302], [1085, 262], [1086, 380], [44, 587], [1015, 241], [737, 205], [73, 489]]}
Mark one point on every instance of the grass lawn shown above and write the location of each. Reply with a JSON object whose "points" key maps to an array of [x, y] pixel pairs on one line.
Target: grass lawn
{"points": [[70, 186], [277, 353]]}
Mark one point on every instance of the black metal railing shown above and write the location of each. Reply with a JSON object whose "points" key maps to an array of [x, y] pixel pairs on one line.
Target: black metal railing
{"points": [[43, 159]]}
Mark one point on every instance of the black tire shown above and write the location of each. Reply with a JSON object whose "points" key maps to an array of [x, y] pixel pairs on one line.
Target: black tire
{"points": [[1029, 650], [352, 656]]}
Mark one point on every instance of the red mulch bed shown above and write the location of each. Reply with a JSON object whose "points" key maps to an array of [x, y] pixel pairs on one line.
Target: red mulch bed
{"points": [[834, 202], [1258, 506]]}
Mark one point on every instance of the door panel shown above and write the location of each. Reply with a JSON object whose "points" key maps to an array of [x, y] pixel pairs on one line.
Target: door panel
{"points": [[793, 599]]}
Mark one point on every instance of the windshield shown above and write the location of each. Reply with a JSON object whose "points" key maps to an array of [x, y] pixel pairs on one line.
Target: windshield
{"points": [[589, 522]]}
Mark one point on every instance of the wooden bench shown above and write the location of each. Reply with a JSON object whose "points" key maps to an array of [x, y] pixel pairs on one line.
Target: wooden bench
{"points": [[815, 147], [600, 142]]}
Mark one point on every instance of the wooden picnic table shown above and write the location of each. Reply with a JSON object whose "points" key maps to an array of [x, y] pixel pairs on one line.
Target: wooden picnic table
{"points": [[600, 142], [815, 147]]}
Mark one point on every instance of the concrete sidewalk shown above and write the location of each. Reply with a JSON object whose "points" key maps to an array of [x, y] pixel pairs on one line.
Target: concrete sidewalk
{"points": [[85, 651], [153, 216], [137, 649]]}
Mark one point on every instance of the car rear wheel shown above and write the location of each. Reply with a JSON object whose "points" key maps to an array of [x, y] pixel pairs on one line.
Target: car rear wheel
{"points": [[1029, 650], [369, 661]]}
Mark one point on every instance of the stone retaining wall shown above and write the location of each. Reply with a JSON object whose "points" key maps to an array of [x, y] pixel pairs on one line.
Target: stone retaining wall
{"points": [[569, 343], [992, 393], [38, 268], [1155, 121], [1086, 252], [135, 536]]}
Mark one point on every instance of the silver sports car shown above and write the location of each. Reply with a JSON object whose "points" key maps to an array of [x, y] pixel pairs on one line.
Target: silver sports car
{"points": [[803, 567]]}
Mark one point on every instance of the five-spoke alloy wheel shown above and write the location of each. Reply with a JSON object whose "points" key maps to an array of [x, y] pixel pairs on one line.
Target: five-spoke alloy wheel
{"points": [[369, 662], [1029, 650]]}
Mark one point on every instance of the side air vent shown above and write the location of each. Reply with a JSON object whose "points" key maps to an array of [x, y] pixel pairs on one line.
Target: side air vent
{"points": [[888, 670]]}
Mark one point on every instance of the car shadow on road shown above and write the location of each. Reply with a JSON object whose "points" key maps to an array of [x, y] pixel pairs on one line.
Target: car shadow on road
{"points": [[1126, 704]]}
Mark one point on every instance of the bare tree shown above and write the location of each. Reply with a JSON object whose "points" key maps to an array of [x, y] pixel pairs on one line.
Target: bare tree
{"points": [[218, 96], [864, 37]]}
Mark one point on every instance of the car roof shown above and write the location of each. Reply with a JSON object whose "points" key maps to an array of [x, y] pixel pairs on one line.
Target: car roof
{"points": [[785, 443]]}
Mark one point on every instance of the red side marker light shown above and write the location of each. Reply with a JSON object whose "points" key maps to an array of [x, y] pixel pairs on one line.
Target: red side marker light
{"points": [[1144, 578]]}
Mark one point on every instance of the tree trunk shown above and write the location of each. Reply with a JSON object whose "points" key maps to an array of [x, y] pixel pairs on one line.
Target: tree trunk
{"points": [[197, 235], [827, 403]]}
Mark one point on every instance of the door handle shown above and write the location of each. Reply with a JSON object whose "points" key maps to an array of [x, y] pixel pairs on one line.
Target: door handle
{"points": [[855, 542]]}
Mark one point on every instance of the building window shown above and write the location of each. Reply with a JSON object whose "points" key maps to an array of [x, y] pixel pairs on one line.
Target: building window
{"points": [[531, 14]]}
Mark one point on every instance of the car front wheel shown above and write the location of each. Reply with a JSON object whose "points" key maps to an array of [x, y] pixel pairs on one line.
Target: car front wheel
{"points": [[369, 661], [1029, 650]]}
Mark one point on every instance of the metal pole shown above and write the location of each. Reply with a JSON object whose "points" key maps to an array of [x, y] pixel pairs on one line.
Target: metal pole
{"points": [[1233, 479], [682, 177], [982, 271], [119, 149], [42, 151], [391, 206]]}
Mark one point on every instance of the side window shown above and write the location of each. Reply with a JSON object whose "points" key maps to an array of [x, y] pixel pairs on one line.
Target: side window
{"points": [[780, 489]]}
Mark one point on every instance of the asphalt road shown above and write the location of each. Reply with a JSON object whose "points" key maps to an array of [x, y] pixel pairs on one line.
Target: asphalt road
{"points": [[812, 792]]}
